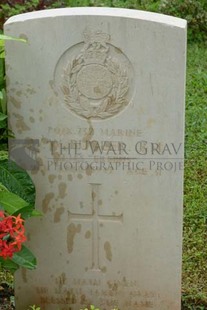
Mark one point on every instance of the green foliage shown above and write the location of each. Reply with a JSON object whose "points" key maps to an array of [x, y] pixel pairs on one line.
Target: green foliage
{"points": [[17, 196], [17, 181], [92, 307], [195, 194], [4, 131], [194, 11], [34, 308], [15, 7]]}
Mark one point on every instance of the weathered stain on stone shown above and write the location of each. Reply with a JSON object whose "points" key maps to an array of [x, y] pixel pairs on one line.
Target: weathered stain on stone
{"points": [[80, 176], [81, 204], [72, 231], [89, 134], [19, 93], [32, 120], [24, 275], [100, 202], [55, 148], [150, 122], [46, 201], [104, 269], [51, 178], [88, 234], [107, 248], [61, 280], [30, 91], [93, 195], [58, 213], [89, 171], [44, 140], [70, 177], [15, 102], [20, 123], [62, 190]]}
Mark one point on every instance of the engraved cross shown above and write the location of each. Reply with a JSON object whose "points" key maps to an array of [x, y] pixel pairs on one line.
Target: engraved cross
{"points": [[96, 219]]}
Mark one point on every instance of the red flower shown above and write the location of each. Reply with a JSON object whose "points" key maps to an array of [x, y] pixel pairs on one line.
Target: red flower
{"points": [[12, 234]]}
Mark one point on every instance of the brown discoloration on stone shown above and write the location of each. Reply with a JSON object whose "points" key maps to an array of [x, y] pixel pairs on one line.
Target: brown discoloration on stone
{"points": [[100, 202], [116, 192], [89, 171], [55, 148], [24, 275], [58, 214], [61, 280], [31, 91], [32, 120], [104, 269], [89, 134], [46, 201], [15, 102], [108, 253], [51, 178], [150, 122], [81, 204], [72, 231], [20, 124], [19, 93], [44, 140], [93, 194], [88, 234], [62, 190], [70, 177]]}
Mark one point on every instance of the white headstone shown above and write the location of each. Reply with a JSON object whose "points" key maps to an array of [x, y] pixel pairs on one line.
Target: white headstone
{"points": [[100, 93]]}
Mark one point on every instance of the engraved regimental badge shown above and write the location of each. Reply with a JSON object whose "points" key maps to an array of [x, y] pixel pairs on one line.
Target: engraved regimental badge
{"points": [[96, 78]]}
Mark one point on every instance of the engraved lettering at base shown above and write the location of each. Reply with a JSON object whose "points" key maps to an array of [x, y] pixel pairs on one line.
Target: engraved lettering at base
{"points": [[96, 78]]}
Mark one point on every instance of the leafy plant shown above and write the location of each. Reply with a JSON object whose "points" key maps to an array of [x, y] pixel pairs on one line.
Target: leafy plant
{"points": [[17, 197], [4, 131], [194, 11], [91, 307], [34, 308]]}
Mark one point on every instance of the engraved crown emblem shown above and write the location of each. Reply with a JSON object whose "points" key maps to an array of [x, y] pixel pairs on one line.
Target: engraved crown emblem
{"points": [[95, 49], [95, 81]]}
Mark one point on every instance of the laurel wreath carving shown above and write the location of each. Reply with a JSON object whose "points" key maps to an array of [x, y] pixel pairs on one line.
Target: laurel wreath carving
{"points": [[113, 103]]}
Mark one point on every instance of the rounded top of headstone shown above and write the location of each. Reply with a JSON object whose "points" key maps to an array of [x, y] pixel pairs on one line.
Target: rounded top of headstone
{"points": [[91, 11]]}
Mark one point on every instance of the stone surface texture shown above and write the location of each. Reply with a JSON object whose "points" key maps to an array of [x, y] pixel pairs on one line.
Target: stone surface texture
{"points": [[100, 93]]}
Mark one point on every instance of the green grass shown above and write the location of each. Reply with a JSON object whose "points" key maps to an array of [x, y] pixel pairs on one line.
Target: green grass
{"points": [[195, 195]]}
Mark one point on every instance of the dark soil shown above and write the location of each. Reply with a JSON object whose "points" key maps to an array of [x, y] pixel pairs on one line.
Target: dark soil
{"points": [[6, 294]]}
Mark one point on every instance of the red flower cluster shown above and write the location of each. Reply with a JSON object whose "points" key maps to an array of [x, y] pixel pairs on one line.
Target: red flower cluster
{"points": [[12, 234]]}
